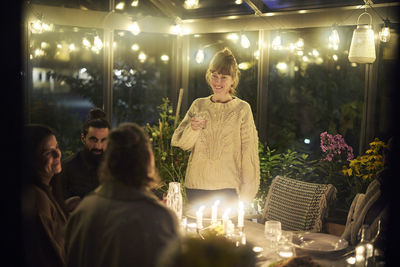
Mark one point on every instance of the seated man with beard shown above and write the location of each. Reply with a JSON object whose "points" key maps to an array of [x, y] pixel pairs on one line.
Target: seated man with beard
{"points": [[79, 174]]}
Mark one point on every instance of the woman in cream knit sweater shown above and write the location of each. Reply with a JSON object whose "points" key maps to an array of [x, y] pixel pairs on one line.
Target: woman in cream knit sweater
{"points": [[219, 131]]}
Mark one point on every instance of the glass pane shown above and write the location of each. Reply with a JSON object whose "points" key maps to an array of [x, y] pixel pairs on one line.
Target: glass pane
{"points": [[309, 4], [313, 88], [138, 8], [246, 54], [142, 75], [387, 85], [67, 79]]}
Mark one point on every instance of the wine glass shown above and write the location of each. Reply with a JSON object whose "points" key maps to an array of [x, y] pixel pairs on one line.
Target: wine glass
{"points": [[272, 233]]}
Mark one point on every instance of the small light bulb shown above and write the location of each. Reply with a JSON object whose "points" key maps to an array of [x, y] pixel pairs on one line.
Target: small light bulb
{"points": [[282, 66], [86, 42], [72, 47], [142, 57], [334, 40], [276, 43], [384, 34], [177, 30], [164, 58], [191, 4], [300, 43], [244, 41], [135, 47], [134, 28], [120, 6], [232, 37], [200, 56], [97, 42], [315, 52], [244, 65]]}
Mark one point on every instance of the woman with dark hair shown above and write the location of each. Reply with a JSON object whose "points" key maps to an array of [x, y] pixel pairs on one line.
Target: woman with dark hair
{"points": [[121, 223], [43, 219]]}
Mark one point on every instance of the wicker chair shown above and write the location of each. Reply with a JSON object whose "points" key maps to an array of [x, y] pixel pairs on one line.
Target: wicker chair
{"points": [[298, 205]]}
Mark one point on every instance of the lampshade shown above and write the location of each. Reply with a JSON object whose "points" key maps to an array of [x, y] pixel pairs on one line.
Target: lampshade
{"points": [[362, 48]]}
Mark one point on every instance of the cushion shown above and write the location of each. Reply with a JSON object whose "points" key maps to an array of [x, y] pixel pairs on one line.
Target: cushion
{"points": [[298, 205]]}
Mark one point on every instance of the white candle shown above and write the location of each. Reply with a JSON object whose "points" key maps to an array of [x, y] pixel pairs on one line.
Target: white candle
{"points": [[214, 212], [184, 222], [199, 217], [225, 219], [240, 214], [231, 227]]}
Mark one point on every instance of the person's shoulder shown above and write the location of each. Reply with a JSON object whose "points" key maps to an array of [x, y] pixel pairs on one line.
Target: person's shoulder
{"points": [[201, 100], [242, 104], [36, 196], [157, 205], [71, 159]]}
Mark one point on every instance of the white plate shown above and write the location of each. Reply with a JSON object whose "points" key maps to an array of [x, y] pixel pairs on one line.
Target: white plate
{"points": [[319, 242]]}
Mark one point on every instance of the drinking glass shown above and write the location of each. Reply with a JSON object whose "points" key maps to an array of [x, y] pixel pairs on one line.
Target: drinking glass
{"points": [[286, 248], [201, 117], [272, 233]]}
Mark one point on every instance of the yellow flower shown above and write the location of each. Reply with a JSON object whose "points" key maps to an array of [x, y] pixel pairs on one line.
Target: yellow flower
{"points": [[368, 165]]}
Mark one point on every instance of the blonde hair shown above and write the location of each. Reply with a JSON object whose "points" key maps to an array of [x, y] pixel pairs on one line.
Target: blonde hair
{"points": [[224, 63]]}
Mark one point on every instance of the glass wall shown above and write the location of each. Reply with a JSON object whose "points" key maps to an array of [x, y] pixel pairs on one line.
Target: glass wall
{"points": [[244, 46], [142, 75], [313, 88], [65, 66], [387, 85]]}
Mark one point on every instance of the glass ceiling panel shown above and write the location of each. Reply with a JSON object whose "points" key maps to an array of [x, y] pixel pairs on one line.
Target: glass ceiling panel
{"points": [[99, 5], [280, 5], [194, 9]]}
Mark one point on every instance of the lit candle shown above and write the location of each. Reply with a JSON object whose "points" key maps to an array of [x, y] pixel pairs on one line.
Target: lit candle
{"points": [[184, 223], [231, 227], [214, 212], [240, 215], [225, 219], [199, 217]]}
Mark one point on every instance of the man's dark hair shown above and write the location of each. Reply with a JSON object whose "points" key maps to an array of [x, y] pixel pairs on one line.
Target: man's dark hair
{"points": [[96, 119], [127, 158]]}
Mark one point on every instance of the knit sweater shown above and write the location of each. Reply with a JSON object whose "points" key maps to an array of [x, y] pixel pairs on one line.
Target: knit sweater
{"points": [[225, 153]]}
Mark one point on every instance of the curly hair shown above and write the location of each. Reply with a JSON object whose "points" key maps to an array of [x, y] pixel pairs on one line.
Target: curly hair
{"points": [[224, 63], [128, 158], [96, 119]]}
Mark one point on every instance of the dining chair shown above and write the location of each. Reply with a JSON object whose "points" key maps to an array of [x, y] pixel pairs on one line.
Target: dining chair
{"points": [[298, 205]]}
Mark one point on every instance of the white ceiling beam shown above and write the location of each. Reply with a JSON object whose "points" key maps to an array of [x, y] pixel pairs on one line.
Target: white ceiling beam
{"points": [[343, 16]]}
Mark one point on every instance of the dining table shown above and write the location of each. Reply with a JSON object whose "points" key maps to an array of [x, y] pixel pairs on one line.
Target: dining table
{"points": [[254, 233]]}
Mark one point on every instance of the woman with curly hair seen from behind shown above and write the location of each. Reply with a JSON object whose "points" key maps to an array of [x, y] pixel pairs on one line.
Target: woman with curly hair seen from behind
{"points": [[121, 223]]}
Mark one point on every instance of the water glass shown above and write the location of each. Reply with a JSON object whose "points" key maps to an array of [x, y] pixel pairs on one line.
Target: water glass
{"points": [[201, 117], [286, 248], [272, 233]]}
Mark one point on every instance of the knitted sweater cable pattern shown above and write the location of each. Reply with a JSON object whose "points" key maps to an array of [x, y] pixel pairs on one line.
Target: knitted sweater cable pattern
{"points": [[225, 153]]}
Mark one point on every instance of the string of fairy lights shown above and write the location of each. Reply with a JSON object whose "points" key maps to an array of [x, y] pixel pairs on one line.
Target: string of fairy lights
{"points": [[94, 43]]}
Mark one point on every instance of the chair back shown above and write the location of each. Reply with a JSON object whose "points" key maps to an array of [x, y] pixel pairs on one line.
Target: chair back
{"points": [[298, 205]]}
